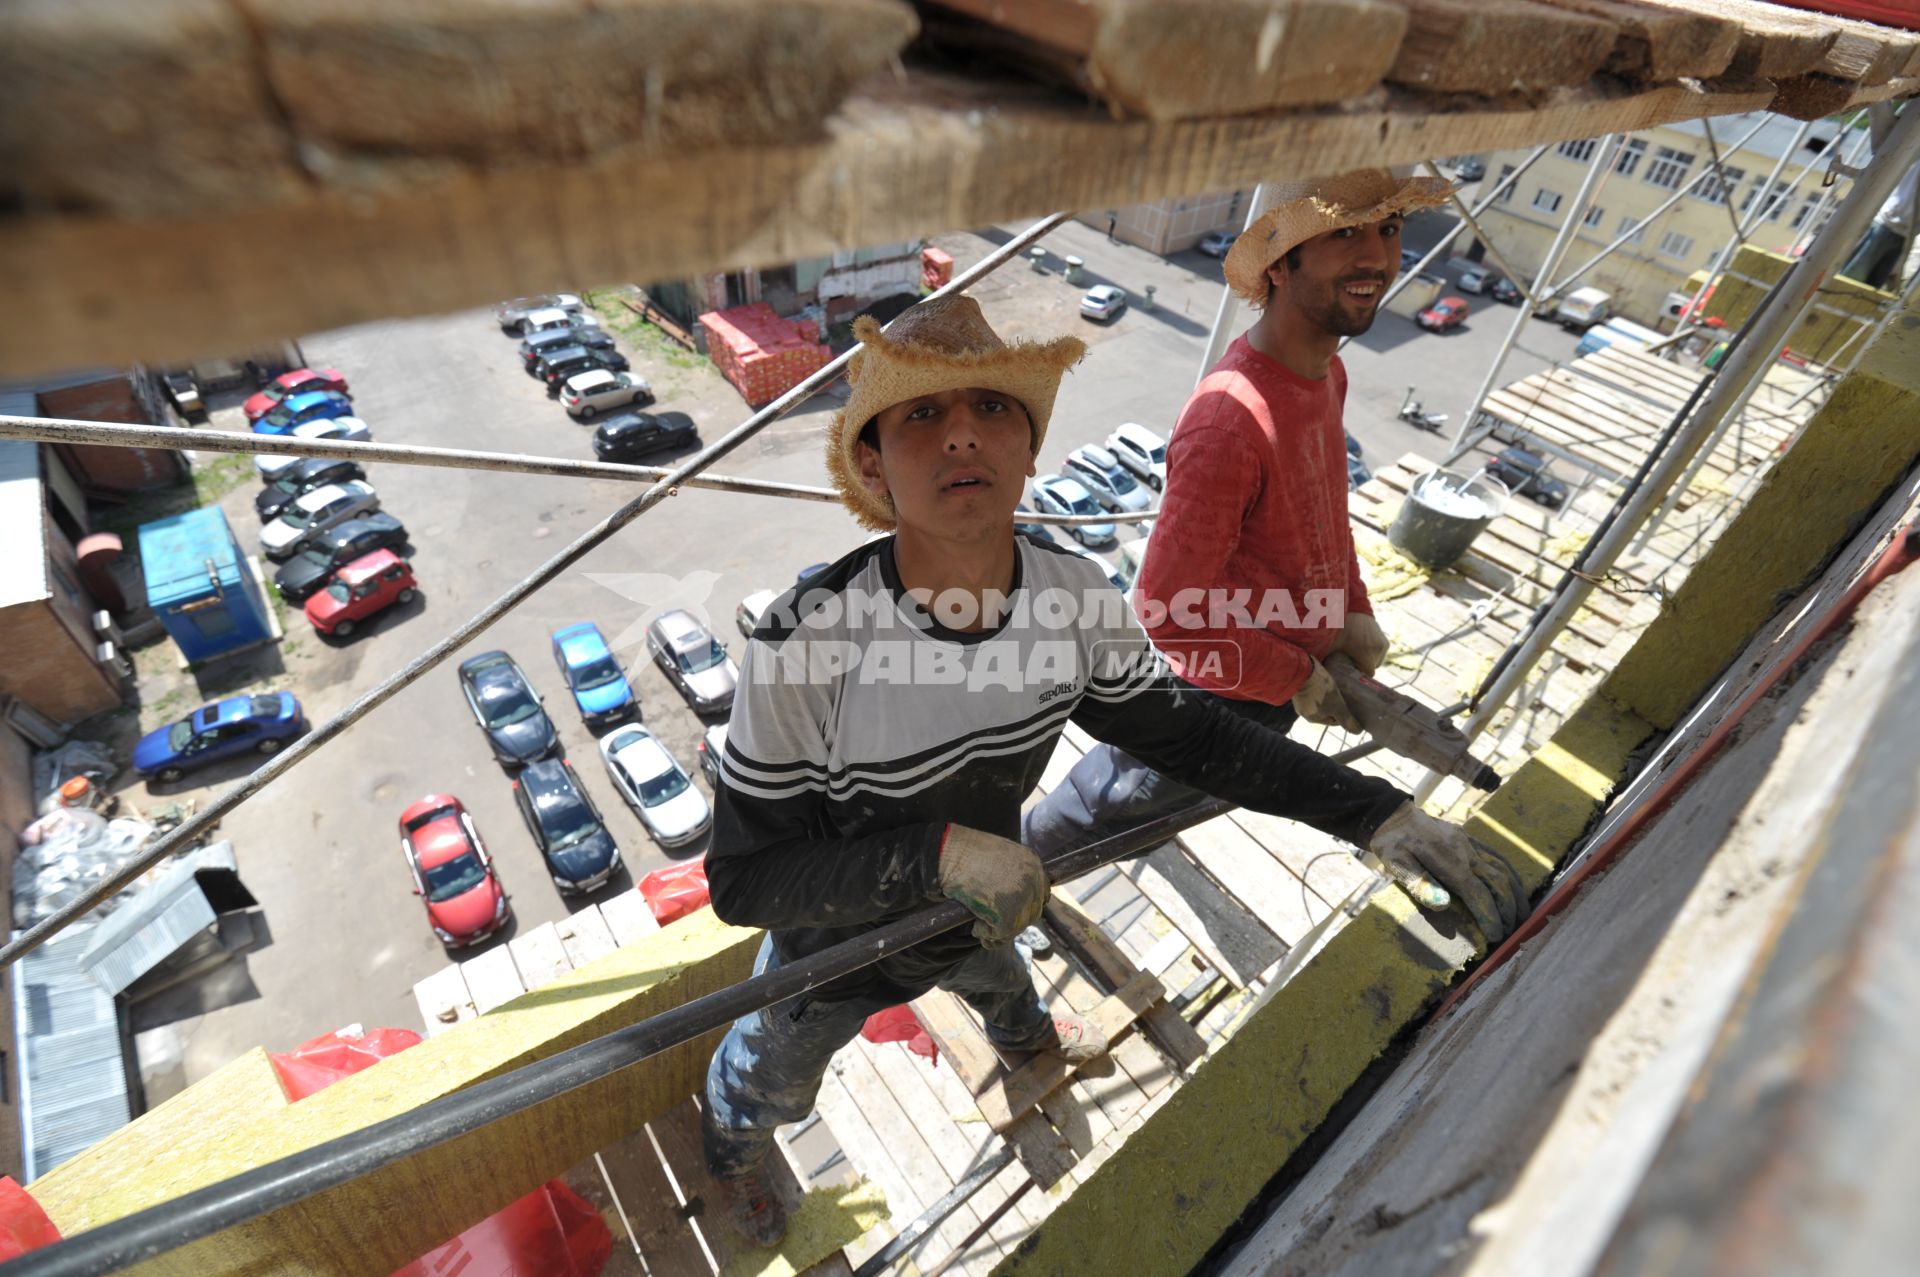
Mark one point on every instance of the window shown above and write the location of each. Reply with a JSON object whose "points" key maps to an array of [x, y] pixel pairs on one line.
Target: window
{"points": [[1506, 193], [1717, 188], [1774, 203], [1669, 168], [1675, 245], [1626, 224], [1594, 216], [1546, 201], [1581, 150], [1629, 157], [1807, 205]]}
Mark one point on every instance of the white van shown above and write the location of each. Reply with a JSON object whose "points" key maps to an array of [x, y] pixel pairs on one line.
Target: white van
{"points": [[1582, 308], [1617, 332]]}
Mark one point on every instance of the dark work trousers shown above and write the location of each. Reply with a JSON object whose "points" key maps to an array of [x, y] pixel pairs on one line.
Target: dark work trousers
{"points": [[1110, 790]]}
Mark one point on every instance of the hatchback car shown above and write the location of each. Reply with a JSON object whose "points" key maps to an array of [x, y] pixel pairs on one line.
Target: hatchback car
{"points": [[1103, 302], [1111, 483], [300, 478], [1526, 475], [1217, 243], [1476, 279], [712, 746], [1469, 168], [580, 853], [538, 344], [598, 684], [365, 587], [629, 436], [452, 873], [1448, 312], [660, 792], [298, 410], [299, 381], [261, 724], [1056, 494], [551, 317], [752, 608], [313, 513], [339, 545], [557, 365], [693, 661], [507, 709], [1141, 451], [1506, 292], [351, 429], [588, 394], [510, 315]]}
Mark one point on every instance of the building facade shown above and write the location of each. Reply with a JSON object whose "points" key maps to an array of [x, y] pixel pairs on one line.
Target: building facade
{"points": [[1168, 226], [1653, 165]]}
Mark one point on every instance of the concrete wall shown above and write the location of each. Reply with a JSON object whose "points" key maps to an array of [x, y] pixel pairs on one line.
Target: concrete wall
{"points": [[1168, 226]]}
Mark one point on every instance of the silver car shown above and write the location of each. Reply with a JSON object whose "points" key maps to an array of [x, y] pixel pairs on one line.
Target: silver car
{"points": [[587, 394], [714, 745], [1056, 494], [693, 661], [655, 786], [1110, 482], [315, 512]]}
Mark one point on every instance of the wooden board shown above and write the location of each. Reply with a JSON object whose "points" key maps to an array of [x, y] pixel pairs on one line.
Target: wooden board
{"points": [[1496, 47], [539, 955], [584, 936], [443, 999], [1114, 971], [1773, 42], [1662, 44], [628, 917], [1011, 1096], [492, 978], [1230, 938], [904, 1143], [1039, 1147], [652, 1210]]}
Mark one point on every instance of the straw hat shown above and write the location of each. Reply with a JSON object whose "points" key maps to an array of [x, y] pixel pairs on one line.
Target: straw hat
{"points": [[944, 344], [1315, 207]]}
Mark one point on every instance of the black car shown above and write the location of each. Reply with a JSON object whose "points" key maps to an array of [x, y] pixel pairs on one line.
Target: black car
{"points": [[565, 825], [302, 477], [309, 570], [552, 339], [507, 709], [628, 436], [557, 365], [1357, 472], [1506, 291], [1469, 168], [1526, 475]]}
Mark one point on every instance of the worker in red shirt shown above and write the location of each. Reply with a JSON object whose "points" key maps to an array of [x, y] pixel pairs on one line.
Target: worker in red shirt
{"points": [[1250, 579]]}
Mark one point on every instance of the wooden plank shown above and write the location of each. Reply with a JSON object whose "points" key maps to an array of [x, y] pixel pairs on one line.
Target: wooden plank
{"points": [[1230, 938], [1282, 903], [402, 239], [1172, 62], [1494, 47], [628, 917], [953, 1095], [1066, 988], [1662, 44], [1039, 1147], [443, 999], [902, 1139], [540, 956], [1813, 97], [1021, 1089], [653, 1211], [906, 1078], [585, 936], [492, 978], [1772, 42], [1110, 966]]}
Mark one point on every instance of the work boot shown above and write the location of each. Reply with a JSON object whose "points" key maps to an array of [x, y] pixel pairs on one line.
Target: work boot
{"points": [[1075, 1040], [751, 1208]]}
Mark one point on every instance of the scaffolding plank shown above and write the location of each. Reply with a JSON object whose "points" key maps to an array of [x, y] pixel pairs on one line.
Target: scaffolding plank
{"points": [[1495, 47], [443, 999], [1016, 1093], [539, 955], [1230, 938], [1083, 936], [1662, 44], [1039, 1147], [628, 916], [492, 978], [658, 1222], [1772, 43], [585, 936], [905, 1144], [1282, 903]]}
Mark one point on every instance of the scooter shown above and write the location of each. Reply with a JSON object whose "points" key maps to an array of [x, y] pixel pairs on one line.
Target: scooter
{"points": [[1413, 414]]}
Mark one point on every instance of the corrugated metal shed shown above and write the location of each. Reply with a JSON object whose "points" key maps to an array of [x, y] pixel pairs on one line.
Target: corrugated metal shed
{"points": [[173, 910], [73, 1076]]}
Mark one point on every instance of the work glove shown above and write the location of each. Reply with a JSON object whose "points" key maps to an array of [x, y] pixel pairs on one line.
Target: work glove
{"points": [[1319, 701], [1437, 863], [1001, 881], [1363, 641]]}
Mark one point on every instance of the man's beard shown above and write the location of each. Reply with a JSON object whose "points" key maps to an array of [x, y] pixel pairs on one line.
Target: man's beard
{"points": [[1330, 314]]}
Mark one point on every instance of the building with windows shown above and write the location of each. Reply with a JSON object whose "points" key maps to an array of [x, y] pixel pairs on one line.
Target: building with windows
{"points": [[1650, 168], [1168, 226]]}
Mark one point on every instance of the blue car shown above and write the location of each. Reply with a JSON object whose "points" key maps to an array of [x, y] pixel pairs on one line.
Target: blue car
{"points": [[599, 686], [240, 724], [298, 410]]}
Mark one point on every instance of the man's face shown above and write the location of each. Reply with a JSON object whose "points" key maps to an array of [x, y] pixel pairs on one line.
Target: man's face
{"points": [[955, 463], [1341, 277]]}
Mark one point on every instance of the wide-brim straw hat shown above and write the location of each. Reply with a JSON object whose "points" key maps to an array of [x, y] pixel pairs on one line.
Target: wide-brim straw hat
{"points": [[1314, 207], [939, 345]]}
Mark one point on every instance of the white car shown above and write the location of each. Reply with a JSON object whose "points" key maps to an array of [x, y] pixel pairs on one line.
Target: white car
{"points": [[1102, 302], [714, 745], [752, 608], [586, 394], [1111, 484], [1217, 243], [1476, 279], [657, 788], [352, 428], [538, 321], [1141, 451], [313, 513]]}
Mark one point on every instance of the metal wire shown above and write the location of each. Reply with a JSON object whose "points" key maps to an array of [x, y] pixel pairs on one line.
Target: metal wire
{"points": [[184, 835]]}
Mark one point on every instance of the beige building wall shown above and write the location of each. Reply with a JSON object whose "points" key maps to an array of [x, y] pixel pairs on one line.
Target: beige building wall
{"points": [[1168, 226], [1686, 238]]}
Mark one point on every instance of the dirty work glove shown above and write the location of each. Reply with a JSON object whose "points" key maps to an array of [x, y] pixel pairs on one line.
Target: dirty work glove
{"points": [[1364, 641], [1002, 882], [1437, 863], [1319, 701]]}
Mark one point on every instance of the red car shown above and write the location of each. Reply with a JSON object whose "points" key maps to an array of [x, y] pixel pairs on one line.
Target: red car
{"points": [[1448, 312], [369, 584], [298, 382], [452, 873]]}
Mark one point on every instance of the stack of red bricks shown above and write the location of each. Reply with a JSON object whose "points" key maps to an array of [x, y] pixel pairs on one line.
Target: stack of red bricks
{"points": [[936, 267], [763, 355]]}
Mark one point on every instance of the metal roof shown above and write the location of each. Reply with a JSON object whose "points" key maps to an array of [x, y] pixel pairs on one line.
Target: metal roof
{"points": [[175, 908], [73, 1075], [182, 555], [23, 569]]}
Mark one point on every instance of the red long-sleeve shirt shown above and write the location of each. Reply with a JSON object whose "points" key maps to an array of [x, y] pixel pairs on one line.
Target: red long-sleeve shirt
{"points": [[1256, 499]]}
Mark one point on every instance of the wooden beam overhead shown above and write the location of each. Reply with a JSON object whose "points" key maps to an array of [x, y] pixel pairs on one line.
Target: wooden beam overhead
{"points": [[1494, 47]]}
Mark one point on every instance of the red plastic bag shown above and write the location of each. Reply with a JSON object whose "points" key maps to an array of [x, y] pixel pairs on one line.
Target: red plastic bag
{"points": [[551, 1232], [674, 893], [899, 1024], [23, 1225]]}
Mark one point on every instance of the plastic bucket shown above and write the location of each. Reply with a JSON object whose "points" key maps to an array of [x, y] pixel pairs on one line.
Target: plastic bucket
{"points": [[1442, 515]]}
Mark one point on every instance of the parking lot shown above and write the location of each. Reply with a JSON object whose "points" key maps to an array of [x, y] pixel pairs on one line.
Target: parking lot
{"points": [[320, 848]]}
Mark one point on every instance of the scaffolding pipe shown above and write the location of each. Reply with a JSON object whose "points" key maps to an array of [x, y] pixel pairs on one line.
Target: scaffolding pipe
{"points": [[206, 818], [1603, 158], [1229, 311], [1762, 337], [203, 1212], [1470, 222], [114, 435]]}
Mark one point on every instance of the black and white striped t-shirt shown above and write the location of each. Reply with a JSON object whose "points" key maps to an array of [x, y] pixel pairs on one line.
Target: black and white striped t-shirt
{"points": [[861, 727]]}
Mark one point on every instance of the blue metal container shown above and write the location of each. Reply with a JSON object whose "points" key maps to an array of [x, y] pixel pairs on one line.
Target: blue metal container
{"points": [[200, 585]]}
